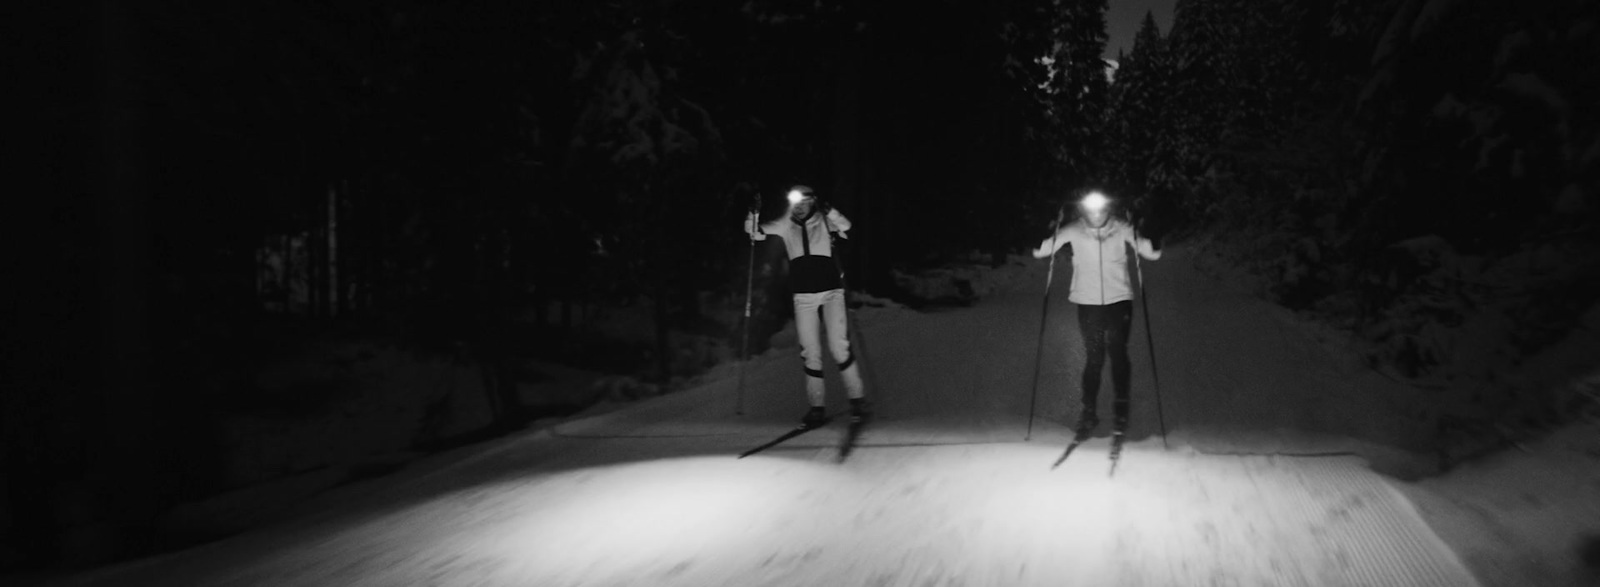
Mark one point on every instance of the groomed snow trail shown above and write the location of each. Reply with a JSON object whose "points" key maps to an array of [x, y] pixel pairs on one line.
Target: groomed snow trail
{"points": [[942, 491]]}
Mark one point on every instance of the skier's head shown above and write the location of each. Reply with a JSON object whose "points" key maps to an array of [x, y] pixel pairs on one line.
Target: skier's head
{"points": [[801, 202], [1095, 208]]}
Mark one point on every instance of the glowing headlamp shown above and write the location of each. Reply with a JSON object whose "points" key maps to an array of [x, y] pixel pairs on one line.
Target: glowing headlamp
{"points": [[795, 196], [1095, 202]]}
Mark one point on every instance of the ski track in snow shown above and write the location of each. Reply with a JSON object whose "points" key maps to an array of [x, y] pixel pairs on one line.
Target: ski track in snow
{"points": [[942, 489]]}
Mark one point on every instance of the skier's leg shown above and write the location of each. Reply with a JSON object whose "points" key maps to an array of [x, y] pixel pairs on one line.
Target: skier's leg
{"points": [[1091, 327], [806, 326], [1119, 323], [837, 322], [836, 319]]}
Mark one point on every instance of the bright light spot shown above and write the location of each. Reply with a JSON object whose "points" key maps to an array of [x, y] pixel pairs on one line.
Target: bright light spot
{"points": [[621, 520], [1095, 202], [795, 196]]}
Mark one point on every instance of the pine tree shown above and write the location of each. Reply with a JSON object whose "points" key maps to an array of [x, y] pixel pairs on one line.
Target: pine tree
{"points": [[1077, 85], [1139, 98], [648, 151], [1028, 35], [1235, 73]]}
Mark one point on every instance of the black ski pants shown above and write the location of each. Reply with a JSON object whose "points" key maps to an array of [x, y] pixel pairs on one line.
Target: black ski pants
{"points": [[1105, 332]]}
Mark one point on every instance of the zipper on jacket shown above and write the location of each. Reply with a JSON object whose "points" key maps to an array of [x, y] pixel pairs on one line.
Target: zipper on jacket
{"points": [[1100, 246]]}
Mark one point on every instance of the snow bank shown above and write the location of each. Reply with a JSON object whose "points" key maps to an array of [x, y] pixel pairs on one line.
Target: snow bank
{"points": [[337, 403], [968, 279]]}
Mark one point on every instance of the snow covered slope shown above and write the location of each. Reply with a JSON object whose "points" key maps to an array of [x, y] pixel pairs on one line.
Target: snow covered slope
{"points": [[943, 489]]}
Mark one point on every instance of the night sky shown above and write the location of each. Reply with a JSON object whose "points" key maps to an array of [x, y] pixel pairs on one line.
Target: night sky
{"points": [[1123, 18]]}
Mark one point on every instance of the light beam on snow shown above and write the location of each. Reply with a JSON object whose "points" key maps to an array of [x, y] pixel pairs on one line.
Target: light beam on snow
{"points": [[1074, 507], [635, 519], [978, 514]]}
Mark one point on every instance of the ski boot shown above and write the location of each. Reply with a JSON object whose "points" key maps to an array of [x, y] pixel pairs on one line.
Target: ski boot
{"points": [[816, 417], [860, 410], [1086, 422], [1119, 426]]}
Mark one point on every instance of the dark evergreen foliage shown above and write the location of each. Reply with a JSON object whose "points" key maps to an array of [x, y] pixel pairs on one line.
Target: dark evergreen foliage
{"points": [[1413, 171]]}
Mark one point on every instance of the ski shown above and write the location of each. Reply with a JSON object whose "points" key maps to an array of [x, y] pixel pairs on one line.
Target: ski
{"points": [[1116, 451], [1083, 434], [798, 430], [851, 434]]}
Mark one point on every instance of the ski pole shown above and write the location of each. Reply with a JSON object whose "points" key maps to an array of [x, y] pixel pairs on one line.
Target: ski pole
{"points": [[1155, 376], [749, 291], [1044, 315]]}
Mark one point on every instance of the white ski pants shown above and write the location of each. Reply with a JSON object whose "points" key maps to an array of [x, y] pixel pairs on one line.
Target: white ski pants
{"points": [[807, 324]]}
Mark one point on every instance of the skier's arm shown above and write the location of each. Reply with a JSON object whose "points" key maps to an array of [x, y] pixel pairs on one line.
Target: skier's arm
{"points": [[837, 223], [1143, 246], [760, 231], [1053, 244]]}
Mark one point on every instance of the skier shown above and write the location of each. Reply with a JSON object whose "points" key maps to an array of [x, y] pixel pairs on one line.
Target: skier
{"points": [[818, 286], [1098, 245]]}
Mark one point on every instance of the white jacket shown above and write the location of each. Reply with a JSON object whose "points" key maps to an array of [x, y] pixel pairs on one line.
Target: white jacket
{"points": [[815, 240], [1100, 271], [812, 268]]}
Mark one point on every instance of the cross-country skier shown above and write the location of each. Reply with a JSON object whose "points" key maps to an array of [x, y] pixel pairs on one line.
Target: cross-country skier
{"points": [[1101, 287], [814, 278]]}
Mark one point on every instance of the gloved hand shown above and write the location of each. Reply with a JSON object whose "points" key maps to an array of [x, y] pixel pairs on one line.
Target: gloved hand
{"points": [[1150, 230], [752, 227]]}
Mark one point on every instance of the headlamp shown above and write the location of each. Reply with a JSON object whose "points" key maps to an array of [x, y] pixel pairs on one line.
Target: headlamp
{"points": [[1095, 202], [795, 196]]}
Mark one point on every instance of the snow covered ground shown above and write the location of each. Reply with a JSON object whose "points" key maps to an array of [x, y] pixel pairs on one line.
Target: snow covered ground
{"points": [[1267, 476]]}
